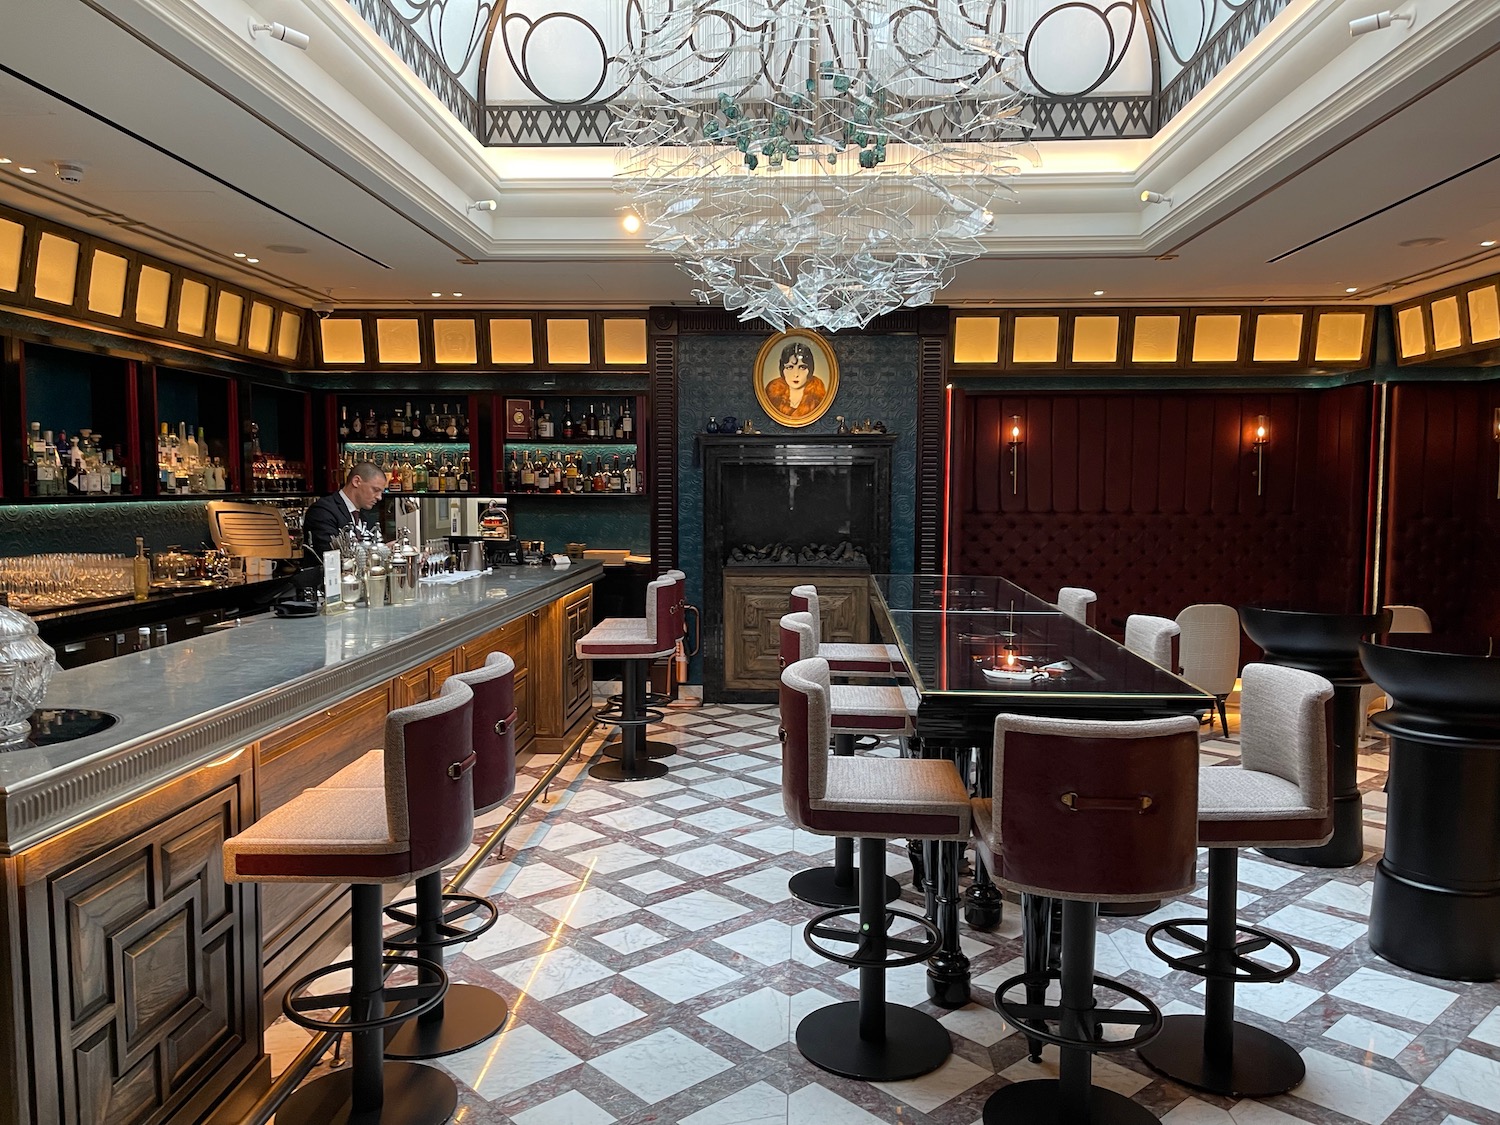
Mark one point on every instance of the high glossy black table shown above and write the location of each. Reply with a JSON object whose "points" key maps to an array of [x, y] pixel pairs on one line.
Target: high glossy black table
{"points": [[1327, 644], [1436, 909], [974, 648]]}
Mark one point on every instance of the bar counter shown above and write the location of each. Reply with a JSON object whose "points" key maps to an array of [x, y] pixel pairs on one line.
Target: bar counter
{"points": [[136, 980]]}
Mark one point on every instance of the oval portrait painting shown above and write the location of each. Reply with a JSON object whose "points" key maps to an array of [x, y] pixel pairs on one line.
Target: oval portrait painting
{"points": [[796, 377]]}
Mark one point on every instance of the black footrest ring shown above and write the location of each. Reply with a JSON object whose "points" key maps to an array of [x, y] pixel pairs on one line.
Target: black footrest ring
{"points": [[615, 717], [653, 699], [1033, 1020], [423, 997], [910, 952], [1246, 971], [456, 906]]}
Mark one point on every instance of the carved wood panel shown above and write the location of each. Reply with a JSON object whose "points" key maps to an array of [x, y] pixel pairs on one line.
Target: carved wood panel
{"points": [[142, 965], [578, 685], [516, 639], [754, 602]]}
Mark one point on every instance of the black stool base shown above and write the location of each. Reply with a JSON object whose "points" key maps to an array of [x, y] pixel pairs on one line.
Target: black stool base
{"points": [[914, 1044], [1039, 1102], [414, 1095], [820, 887], [470, 1015], [654, 748], [613, 769], [1261, 1064]]}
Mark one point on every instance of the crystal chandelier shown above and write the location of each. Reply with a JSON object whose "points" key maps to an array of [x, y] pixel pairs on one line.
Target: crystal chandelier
{"points": [[819, 162]]}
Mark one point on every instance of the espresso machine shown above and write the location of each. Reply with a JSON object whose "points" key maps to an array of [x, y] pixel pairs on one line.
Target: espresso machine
{"points": [[466, 520]]}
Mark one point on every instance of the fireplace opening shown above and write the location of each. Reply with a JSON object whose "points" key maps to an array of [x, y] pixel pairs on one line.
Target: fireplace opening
{"points": [[842, 553]]}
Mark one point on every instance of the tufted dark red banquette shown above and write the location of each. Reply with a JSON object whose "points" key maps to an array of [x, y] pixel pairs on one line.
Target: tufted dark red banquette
{"points": [[1150, 499], [1443, 537]]}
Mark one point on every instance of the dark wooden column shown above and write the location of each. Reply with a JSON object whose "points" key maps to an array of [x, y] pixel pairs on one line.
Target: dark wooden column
{"points": [[932, 377], [662, 326]]}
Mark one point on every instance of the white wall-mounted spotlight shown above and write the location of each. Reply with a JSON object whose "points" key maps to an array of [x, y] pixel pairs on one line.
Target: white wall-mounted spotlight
{"points": [[1366, 24], [483, 205], [298, 39], [1155, 197]]}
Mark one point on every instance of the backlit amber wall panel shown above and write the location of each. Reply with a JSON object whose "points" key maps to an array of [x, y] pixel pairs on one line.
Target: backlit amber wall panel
{"points": [[454, 341], [1035, 339], [56, 269], [510, 341], [107, 283], [976, 339], [625, 341], [568, 341], [343, 340]]}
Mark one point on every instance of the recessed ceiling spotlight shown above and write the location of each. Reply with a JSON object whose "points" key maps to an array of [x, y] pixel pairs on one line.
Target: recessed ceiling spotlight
{"points": [[631, 222], [1379, 20], [1155, 197], [288, 35], [1488, 242], [1098, 292], [239, 253], [252, 261], [1352, 289], [483, 205], [437, 294], [28, 171], [458, 294], [4, 160]]}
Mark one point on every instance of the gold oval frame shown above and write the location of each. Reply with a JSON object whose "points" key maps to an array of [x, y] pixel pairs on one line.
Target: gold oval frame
{"points": [[768, 369]]}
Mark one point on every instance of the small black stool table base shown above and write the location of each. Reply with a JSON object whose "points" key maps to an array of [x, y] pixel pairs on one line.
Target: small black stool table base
{"points": [[1040, 1102], [469, 1015], [914, 1043], [653, 748], [1257, 1064], [633, 764], [617, 769], [414, 1095]]}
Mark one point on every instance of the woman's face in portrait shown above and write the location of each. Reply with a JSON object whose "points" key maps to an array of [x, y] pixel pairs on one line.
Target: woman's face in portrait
{"points": [[795, 369]]}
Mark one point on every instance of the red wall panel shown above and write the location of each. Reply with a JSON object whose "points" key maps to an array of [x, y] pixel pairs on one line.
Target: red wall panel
{"points": [[1150, 498]]}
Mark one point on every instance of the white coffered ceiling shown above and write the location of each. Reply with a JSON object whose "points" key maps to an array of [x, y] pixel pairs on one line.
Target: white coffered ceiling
{"points": [[1313, 164]]}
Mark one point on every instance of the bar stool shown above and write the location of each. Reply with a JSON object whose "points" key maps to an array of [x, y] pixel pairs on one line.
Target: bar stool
{"points": [[1077, 603], [845, 658], [1152, 637], [636, 641], [433, 920], [420, 819], [652, 747], [1278, 795], [1209, 653], [875, 799], [1123, 796], [854, 710]]}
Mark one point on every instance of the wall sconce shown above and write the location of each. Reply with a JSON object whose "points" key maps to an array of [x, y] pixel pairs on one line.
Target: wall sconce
{"points": [[1015, 449], [1380, 20], [288, 35], [1497, 443], [1262, 436]]}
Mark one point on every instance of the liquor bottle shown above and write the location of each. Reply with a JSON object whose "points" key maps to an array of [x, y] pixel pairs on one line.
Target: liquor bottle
{"points": [[543, 475], [528, 473], [463, 425], [543, 421], [463, 473], [116, 479], [627, 423], [398, 424], [568, 432], [413, 424], [420, 479], [591, 425], [140, 571], [513, 474], [601, 480], [393, 478], [383, 426], [616, 476], [451, 426], [357, 428], [630, 474], [570, 474], [344, 422]]}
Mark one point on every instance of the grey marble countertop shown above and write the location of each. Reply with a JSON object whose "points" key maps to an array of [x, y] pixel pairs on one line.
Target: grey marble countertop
{"points": [[189, 702]]}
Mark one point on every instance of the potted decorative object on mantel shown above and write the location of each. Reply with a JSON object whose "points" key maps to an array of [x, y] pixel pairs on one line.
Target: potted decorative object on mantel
{"points": [[27, 664]]}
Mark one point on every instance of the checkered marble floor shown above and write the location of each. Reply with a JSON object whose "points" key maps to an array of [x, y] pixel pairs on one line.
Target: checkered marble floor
{"points": [[656, 969]]}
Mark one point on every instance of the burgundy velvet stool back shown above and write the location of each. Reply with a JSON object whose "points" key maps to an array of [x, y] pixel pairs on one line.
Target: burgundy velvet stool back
{"points": [[428, 797], [494, 688], [1097, 811]]}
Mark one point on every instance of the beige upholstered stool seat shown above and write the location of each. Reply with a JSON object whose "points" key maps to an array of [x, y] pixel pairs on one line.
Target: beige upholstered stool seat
{"points": [[325, 834], [910, 796], [845, 658], [624, 636], [365, 772], [862, 708]]}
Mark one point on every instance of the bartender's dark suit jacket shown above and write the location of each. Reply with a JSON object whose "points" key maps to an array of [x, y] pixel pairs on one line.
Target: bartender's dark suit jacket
{"points": [[325, 518]]}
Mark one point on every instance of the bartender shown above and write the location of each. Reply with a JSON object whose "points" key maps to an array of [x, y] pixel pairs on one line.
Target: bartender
{"points": [[328, 515]]}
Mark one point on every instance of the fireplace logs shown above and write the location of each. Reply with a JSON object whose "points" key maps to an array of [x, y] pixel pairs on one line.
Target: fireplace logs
{"points": [[842, 553]]}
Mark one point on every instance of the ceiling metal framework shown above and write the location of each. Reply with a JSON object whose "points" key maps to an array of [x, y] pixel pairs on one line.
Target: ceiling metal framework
{"points": [[465, 51]]}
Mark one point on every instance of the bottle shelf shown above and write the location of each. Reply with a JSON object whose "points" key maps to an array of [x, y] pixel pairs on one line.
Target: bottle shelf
{"points": [[557, 443], [573, 495], [376, 444]]}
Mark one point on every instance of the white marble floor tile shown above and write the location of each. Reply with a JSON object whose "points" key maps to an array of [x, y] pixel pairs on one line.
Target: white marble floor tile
{"points": [[930, 1091], [649, 882], [770, 942], [771, 804], [694, 773], [721, 820], [977, 1023], [772, 774], [1343, 896], [779, 839], [697, 910], [669, 838], [811, 844], [652, 788], [568, 834], [587, 907], [1488, 1030], [1453, 1120], [758, 1104], [570, 1108], [734, 763], [1408, 999], [1278, 1002], [1360, 1092], [550, 974], [508, 933], [602, 1014], [1110, 1075], [711, 859], [1367, 1035], [631, 819], [762, 1018], [1469, 1078], [768, 884], [660, 1065], [590, 800], [728, 788], [612, 857], [1314, 926], [818, 1105], [631, 939], [1193, 1112], [510, 1061], [680, 801], [681, 976], [1269, 876], [906, 985], [535, 878]]}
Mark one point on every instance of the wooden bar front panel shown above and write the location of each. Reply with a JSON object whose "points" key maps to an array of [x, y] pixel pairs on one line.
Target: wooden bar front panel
{"points": [[755, 599]]}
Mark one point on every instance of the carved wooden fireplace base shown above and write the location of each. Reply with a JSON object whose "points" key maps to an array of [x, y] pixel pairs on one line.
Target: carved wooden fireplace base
{"points": [[755, 597]]}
